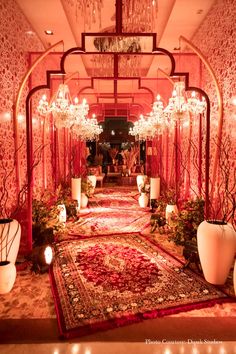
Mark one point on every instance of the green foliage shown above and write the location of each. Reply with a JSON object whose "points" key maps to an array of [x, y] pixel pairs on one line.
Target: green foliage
{"points": [[158, 219], [45, 214], [170, 196], [185, 224]]}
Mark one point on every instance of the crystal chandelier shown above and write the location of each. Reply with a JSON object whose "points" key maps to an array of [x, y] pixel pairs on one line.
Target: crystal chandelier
{"points": [[64, 111], [178, 106], [87, 129], [142, 129], [146, 128]]}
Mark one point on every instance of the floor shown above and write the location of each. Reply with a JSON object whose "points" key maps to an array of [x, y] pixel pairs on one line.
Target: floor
{"points": [[27, 328]]}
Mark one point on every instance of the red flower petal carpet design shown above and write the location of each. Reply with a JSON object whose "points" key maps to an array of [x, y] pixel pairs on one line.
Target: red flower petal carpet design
{"points": [[109, 281]]}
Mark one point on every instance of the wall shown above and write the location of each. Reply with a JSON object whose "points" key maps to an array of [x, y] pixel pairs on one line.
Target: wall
{"points": [[15, 43], [216, 40]]}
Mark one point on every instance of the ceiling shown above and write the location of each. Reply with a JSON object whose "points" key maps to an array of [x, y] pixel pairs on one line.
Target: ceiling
{"points": [[168, 19]]}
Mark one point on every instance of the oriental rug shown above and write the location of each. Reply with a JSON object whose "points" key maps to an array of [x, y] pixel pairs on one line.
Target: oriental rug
{"points": [[106, 282], [114, 202], [109, 222]]}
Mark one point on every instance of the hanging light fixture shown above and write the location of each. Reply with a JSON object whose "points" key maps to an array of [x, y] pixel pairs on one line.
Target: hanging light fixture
{"points": [[62, 107], [195, 106], [64, 110], [179, 106], [146, 128], [87, 129]]}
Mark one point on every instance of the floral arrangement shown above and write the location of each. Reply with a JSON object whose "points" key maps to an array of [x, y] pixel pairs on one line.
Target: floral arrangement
{"points": [[184, 229], [130, 157], [170, 196], [185, 224]]}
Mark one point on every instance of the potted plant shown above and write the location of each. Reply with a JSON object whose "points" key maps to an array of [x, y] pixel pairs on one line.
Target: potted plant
{"points": [[62, 197], [130, 157], [183, 230], [158, 219], [216, 235]]}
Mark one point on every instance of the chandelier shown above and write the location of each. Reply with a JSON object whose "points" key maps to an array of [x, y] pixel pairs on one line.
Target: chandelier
{"points": [[179, 106], [142, 129], [146, 128], [65, 112], [87, 129]]}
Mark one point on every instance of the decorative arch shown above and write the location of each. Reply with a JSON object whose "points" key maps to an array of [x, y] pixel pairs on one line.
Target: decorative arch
{"points": [[82, 50]]}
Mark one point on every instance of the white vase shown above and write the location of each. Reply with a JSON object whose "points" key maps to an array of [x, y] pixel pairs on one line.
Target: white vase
{"points": [[7, 276], [154, 187], [62, 213], [171, 210], [84, 200], [140, 181], [10, 234], [143, 200], [216, 248], [76, 189]]}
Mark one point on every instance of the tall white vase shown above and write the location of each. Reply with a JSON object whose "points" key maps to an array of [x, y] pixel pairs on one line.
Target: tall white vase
{"points": [[76, 190], [216, 248], [10, 234], [154, 187], [140, 181]]}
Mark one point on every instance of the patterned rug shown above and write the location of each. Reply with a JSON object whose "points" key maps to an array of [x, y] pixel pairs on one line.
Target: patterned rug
{"points": [[114, 202], [105, 282], [109, 221]]}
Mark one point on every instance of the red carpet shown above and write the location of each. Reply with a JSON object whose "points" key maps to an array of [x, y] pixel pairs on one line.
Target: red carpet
{"points": [[105, 282]]}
